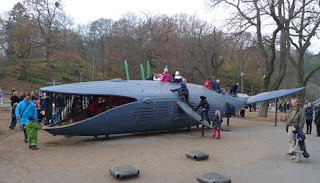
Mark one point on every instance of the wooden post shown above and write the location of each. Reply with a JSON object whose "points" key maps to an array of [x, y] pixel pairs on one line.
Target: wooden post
{"points": [[228, 121], [202, 130], [275, 119]]}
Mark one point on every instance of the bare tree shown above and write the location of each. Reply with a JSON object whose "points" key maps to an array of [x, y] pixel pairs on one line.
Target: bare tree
{"points": [[303, 28], [259, 14], [44, 13], [101, 31]]}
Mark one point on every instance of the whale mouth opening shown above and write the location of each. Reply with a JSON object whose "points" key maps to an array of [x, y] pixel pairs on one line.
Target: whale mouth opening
{"points": [[59, 109]]}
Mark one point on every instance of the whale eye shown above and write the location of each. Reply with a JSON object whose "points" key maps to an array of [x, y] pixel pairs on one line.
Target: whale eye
{"points": [[147, 100]]}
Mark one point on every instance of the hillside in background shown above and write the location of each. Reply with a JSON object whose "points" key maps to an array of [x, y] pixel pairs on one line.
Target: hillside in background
{"points": [[39, 42]]}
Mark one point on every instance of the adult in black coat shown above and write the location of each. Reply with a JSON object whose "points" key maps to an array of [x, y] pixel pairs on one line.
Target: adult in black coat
{"points": [[309, 117], [317, 119], [14, 98], [47, 105], [205, 108], [22, 96]]}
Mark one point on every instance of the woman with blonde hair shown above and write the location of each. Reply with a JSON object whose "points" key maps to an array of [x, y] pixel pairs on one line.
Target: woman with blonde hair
{"points": [[14, 98], [217, 120]]}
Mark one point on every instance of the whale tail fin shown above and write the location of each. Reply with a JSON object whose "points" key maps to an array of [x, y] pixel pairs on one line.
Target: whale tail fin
{"points": [[272, 95]]}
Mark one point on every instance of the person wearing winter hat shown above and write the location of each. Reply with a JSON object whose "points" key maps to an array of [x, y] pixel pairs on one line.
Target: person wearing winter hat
{"points": [[165, 76], [299, 138], [32, 128], [177, 77], [296, 116], [205, 108], [157, 77], [233, 90], [214, 82], [183, 92]]}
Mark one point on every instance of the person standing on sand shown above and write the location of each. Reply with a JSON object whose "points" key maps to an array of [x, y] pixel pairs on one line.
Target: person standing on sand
{"points": [[217, 120], [309, 117], [13, 116], [1, 97], [300, 138], [296, 116], [25, 109], [317, 119], [14, 98], [22, 96], [32, 128]]}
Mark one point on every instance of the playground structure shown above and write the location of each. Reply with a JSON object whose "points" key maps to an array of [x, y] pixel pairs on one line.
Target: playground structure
{"points": [[120, 106]]}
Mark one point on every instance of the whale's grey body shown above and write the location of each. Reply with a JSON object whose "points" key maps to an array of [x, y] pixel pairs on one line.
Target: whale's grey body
{"points": [[154, 107]]}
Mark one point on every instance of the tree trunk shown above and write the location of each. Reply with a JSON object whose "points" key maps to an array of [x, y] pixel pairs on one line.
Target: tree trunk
{"points": [[300, 76], [263, 109]]}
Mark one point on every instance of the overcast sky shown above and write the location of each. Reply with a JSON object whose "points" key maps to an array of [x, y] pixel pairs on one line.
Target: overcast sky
{"points": [[85, 11]]}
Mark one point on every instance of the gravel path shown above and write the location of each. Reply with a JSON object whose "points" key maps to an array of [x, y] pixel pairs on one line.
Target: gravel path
{"points": [[253, 151]]}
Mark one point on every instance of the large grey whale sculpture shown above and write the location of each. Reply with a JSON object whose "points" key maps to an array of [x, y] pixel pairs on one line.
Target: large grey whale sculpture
{"points": [[150, 106]]}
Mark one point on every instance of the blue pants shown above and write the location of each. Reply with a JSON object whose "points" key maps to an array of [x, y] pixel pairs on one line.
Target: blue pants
{"points": [[13, 122], [205, 112]]}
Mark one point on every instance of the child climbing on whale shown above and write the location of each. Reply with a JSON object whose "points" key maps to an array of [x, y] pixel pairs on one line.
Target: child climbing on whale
{"points": [[205, 108], [183, 92]]}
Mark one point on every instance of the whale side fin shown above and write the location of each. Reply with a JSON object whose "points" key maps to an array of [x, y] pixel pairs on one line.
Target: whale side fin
{"points": [[272, 95]]}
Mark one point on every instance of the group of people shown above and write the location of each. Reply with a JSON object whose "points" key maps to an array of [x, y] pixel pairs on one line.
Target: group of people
{"points": [[284, 106], [15, 100], [214, 84], [217, 119], [309, 111], [296, 119], [166, 77], [211, 83], [24, 110]]}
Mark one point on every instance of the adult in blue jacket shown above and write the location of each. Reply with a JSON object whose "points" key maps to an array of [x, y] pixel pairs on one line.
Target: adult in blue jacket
{"points": [[25, 109]]}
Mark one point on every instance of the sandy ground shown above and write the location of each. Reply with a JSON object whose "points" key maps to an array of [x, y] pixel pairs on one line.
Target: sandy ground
{"points": [[253, 151]]}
